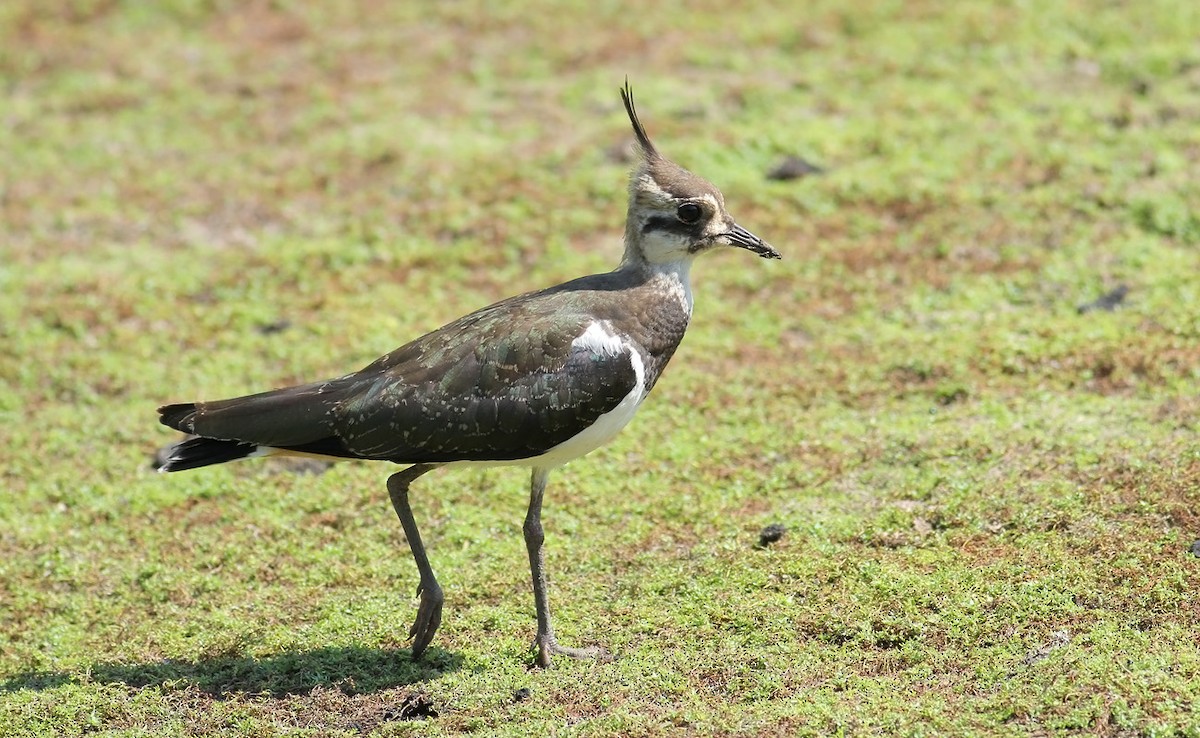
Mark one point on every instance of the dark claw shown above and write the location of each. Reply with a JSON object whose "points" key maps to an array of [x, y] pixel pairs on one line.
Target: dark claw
{"points": [[429, 617]]}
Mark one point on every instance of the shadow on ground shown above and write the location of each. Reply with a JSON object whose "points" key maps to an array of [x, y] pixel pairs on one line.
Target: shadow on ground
{"points": [[350, 670]]}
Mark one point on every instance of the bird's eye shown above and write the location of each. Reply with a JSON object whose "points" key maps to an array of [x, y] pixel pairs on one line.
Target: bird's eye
{"points": [[689, 212]]}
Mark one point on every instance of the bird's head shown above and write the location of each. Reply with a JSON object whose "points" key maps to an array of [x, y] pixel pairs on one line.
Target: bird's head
{"points": [[674, 214]]}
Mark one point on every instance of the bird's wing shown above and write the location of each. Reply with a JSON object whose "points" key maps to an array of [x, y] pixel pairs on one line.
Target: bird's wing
{"points": [[493, 386]]}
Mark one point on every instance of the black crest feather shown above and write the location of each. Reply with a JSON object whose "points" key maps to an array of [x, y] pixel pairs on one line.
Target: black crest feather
{"points": [[643, 140]]}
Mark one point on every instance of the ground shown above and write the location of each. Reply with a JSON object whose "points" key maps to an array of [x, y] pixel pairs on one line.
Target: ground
{"points": [[968, 396]]}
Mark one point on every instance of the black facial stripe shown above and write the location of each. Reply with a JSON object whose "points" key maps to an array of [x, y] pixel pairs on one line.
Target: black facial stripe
{"points": [[674, 225]]}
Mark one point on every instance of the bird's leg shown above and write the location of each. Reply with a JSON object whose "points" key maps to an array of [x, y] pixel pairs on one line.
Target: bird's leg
{"points": [[429, 612], [546, 644]]}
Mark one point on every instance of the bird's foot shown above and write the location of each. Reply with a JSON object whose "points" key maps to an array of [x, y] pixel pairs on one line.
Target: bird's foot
{"points": [[429, 617], [547, 647]]}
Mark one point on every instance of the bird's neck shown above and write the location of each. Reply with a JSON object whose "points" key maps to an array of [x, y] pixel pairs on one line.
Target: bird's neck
{"points": [[670, 277]]}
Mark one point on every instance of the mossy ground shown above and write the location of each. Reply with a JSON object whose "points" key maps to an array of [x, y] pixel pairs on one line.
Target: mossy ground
{"points": [[989, 494]]}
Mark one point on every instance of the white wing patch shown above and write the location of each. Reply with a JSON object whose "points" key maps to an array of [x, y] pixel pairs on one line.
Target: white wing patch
{"points": [[600, 339]]}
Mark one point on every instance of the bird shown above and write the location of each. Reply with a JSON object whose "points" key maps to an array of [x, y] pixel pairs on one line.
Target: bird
{"points": [[534, 380]]}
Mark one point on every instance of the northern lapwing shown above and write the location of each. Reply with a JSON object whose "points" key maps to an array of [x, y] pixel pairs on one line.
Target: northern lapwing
{"points": [[535, 380]]}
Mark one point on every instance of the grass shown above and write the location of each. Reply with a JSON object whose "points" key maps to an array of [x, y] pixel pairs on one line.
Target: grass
{"points": [[990, 496]]}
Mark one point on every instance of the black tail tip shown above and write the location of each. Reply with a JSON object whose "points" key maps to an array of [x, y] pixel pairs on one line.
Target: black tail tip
{"points": [[198, 451]]}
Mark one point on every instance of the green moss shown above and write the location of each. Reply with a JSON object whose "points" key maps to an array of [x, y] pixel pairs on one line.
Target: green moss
{"points": [[989, 496]]}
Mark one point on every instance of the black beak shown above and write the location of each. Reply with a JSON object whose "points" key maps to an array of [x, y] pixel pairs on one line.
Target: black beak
{"points": [[744, 239]]}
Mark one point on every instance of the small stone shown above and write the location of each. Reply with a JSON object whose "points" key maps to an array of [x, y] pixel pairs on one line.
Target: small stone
{"points": [[793, 167], [275, 326], [1108, 301], [771, 534], [521, 694], [1195, 549]]}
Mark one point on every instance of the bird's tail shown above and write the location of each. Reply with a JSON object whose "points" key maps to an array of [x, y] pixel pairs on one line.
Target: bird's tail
{"points": [[289, 420], [200, 451]]}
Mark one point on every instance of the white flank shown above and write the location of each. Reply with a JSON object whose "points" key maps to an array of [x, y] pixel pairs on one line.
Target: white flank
{"points": [[608, 425]]}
